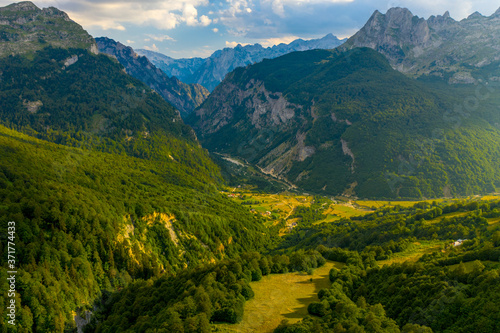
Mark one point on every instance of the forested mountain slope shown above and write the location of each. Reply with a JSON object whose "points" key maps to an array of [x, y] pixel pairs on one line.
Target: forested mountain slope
{"points": [[184, 97], [104, 182]]}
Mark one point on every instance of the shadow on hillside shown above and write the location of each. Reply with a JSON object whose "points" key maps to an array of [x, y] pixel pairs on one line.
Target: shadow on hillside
{"points": [[319, 282]]}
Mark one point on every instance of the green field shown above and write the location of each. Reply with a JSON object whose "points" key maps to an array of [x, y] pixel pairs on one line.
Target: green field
{"points": [[281, 206], [414, 252], [281, 297]]}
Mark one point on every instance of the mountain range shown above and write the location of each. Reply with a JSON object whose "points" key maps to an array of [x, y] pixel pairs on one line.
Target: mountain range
{"points": [[438, 46], [211, 71], [346, 122]]}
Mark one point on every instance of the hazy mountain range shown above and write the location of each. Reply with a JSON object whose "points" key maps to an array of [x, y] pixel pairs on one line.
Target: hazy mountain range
{"points": [[209, 72]]}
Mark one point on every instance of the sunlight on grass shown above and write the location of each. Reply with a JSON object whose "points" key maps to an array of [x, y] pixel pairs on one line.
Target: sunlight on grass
{"points": [[279, 297], [414, 252]]}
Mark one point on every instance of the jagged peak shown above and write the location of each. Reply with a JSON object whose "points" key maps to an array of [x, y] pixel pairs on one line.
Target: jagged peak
{"points": [[392, 14], [398, 11], [446, 14], [475, 15], [497, 13]]}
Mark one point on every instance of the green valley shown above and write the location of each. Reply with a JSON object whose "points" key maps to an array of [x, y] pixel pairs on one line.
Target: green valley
{"points": [[344, 122], [320, 191]]}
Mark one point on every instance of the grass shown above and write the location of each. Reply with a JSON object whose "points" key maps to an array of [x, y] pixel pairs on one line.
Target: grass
{"points": [[282, 205], [281, 297], [414, 252]]}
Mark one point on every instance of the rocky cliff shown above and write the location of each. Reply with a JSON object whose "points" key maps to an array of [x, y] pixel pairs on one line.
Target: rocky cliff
{"points": [[185, 97], [437, 46]]}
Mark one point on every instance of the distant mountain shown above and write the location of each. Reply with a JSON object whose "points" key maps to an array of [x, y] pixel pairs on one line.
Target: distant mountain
{"points": [[180, 68], [211, 71], [185, 97], [25, 28], [336, 122], [438, 46]]}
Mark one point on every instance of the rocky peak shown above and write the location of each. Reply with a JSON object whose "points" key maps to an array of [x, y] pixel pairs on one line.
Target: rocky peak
{"points": [[394, 30], [440, 44], [398, 14], [475, 15], [438, 22], [497, 13]]}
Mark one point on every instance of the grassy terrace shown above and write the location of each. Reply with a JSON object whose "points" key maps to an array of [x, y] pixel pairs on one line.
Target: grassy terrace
{"points": [[281, 297], [281, 206]]}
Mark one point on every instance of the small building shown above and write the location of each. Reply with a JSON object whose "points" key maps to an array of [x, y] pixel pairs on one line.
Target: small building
{"points": [[458, 242]]}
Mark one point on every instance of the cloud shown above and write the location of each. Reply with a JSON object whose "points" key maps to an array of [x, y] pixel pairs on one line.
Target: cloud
{"points": [[215, 30], [161, 38], [114, 14], [276, 41], [205, 21], [130, 41], [152, 48], [234, 44]]}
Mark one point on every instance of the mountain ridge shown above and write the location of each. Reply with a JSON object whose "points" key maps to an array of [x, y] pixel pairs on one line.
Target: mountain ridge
{"points": [[211, 71], [185, 97], [438, 46]]}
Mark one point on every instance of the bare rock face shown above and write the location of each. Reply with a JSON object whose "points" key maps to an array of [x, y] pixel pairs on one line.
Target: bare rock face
{"points": [[434, 46], [266, 109], [183, 96], [23, 29]]}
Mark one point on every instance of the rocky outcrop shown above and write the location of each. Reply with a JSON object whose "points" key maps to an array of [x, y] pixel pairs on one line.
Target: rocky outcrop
{"points": [[24, 29], [185, 97], [266, 109], [434, 46], [211, 71]]}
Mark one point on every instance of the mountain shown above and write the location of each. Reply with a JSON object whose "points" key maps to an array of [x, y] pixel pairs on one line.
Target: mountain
{"points": [[24, 28], [180, 68], [102, 179], [438, 46], [344, 122], [184, 97], [211, 71]]}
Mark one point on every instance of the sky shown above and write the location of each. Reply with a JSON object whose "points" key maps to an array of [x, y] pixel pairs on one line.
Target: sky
{"points": [[197, 28]]}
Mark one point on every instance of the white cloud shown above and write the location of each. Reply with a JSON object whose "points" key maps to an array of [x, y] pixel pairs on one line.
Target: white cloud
{"points": [[234, 44], [130, 41], [205, 21], [161, 38], [152, 48], [113, 14], [275, 41], [215, 30]]}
